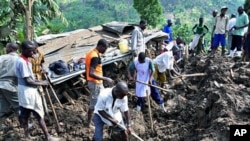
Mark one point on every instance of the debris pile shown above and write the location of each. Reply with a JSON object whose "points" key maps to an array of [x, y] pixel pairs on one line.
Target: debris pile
{"points": [[199, 108]]}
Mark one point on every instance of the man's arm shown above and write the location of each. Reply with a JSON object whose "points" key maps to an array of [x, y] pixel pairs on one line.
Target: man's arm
{"points": [[93, 65], [207, 30], [134, 40], [246, 21], [23, 68], [130, 68], [42, 63], [127, 118], [151, 71], [194, 28], [108, 117], [214, 27], [30, 81]]}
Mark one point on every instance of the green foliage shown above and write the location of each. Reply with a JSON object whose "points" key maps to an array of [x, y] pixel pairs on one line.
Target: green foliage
{"points": [[150, 10], [2, 49], [247, 7], [12, 16], [183, 31], [89, 13]]}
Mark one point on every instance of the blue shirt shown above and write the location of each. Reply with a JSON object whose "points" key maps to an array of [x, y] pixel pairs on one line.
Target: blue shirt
{"points": [[168, 29]]}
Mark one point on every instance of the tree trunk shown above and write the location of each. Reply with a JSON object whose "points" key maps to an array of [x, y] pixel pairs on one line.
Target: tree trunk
{"points": [[28, 27]]}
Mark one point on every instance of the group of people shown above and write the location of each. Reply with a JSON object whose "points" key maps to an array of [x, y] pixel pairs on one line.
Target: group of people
{"points": [[106, 104], [231, 34], [19, 82], [18, 87], [20, 78], [234, 28]]}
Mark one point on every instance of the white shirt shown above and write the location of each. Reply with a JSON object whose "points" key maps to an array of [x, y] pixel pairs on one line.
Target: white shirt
{"points": [[221, 24], [104, 103], [143, 74], [163, 61], [137, 40], [28, 96], [231, 23], [8, 79]]}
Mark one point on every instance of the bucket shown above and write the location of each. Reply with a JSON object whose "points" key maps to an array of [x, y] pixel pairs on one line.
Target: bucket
{"points": [[123, 46]]}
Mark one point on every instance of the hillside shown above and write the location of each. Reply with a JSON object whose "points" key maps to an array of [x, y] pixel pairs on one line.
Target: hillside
{"points": [[87, 13]]}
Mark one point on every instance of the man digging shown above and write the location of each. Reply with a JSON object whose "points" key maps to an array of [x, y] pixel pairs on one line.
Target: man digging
{"points": [[111, 102]]}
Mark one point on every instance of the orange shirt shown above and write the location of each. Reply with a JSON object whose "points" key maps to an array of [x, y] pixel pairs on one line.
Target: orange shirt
{"points": [[98, 70]]}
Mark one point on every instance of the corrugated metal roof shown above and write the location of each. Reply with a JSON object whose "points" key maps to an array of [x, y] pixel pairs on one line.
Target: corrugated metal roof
{"points": [[75, 44]]}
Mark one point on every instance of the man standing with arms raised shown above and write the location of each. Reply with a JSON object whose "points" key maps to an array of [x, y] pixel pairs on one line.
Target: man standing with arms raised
{"points": [[95, 75]]}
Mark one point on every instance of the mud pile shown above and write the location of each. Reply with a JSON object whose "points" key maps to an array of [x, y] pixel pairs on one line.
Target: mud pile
{"points": [[199, 108]]}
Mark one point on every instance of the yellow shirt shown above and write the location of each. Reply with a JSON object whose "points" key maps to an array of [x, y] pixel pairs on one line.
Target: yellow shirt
{"points": [[37, 66]]}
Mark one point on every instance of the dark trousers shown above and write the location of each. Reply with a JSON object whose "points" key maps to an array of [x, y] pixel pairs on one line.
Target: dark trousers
{"points": [[155, 94], [236, 42]]}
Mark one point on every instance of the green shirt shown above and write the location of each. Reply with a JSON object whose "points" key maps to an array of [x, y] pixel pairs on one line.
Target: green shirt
{"points": [[200, 29], [132, 66], [241, 20]]}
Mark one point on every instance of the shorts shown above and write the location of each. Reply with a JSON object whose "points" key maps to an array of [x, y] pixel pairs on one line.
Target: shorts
{"points": [[25, 113], [95, 90], [219, 39], [159, 76]]}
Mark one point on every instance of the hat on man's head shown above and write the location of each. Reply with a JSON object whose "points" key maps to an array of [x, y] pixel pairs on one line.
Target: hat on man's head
{"points": [[169, 21], [223, 7]]}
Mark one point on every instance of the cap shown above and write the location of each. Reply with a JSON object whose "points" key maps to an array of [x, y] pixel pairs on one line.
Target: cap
{"points": [[169, 21], [224, 7]]}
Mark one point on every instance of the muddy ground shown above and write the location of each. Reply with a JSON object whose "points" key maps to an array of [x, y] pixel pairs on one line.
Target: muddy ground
{"points": [[199, 108]]}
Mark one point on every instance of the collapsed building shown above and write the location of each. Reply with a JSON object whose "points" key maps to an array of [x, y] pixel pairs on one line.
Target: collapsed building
{"points": [[70, 47]]}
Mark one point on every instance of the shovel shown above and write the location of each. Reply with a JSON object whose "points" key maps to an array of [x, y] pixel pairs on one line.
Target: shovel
{"points": [[132, 133]]}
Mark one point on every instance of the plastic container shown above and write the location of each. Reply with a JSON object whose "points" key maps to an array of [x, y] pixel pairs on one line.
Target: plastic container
{"points": [[123, 46]]}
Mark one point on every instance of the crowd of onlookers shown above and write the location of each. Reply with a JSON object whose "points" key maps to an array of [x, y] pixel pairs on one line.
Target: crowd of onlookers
{"points": [[229, 33]]}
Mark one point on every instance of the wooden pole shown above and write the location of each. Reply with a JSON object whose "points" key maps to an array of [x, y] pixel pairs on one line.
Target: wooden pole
{"points": [[53, 91], [40, 89], [66, 95], [195, 74], [150, 112], [132, 133], [53, 110], [155, 86]]}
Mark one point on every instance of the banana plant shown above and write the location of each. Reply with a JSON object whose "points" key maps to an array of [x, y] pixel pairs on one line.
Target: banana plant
{"points": [[26, 15]]}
